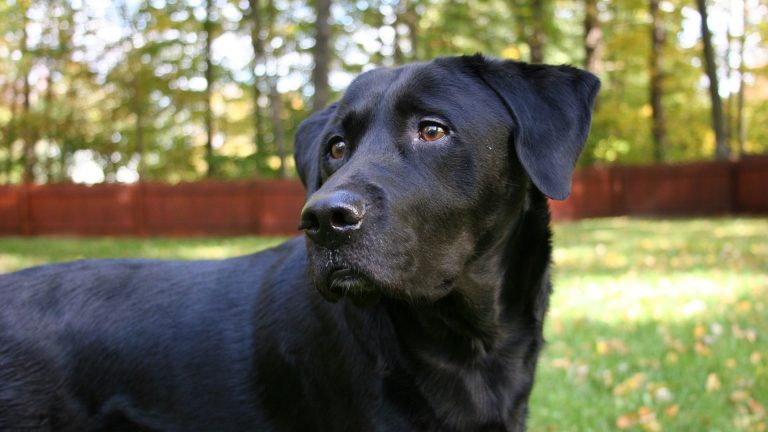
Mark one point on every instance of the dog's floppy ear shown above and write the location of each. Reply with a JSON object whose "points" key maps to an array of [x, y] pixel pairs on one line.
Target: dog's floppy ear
{"points": [[306, 147], [552, 110]]}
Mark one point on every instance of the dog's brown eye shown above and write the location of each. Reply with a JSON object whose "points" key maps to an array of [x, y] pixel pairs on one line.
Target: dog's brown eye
{"points": [[431, 132], [338, 149]]}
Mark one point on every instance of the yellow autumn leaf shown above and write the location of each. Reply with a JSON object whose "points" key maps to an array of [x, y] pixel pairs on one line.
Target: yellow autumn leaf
{"points": [[629, 385], [756, 407], [744, 306], [601, 347], [626, 421], [702, 349], [646, 419], [739, 396], [672, 410], [699, 331], [713, 382], [671, 357]]}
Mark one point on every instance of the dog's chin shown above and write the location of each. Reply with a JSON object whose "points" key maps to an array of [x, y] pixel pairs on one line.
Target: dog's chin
{"points": [[351, 284]]}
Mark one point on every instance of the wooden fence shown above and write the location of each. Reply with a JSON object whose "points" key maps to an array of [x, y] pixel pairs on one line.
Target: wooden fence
{"points": [[271, 207], [698, 189], [267, 207]]}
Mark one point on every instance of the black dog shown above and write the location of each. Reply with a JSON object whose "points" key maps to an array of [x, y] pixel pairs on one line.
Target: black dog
{"points": [[427, 239]]}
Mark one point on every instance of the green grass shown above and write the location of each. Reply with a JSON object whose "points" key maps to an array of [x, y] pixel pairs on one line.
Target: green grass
{"points": [[654, 325]]}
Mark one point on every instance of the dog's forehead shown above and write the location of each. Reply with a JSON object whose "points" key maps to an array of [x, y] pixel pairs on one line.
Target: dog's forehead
{"points": [[407, 87]]}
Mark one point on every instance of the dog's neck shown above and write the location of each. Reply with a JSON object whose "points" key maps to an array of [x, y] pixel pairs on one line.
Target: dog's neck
{"points": [[505, 287], [489, 323]]}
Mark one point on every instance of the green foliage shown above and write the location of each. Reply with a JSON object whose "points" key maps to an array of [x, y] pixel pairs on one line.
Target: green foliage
{"points": [[122, 84]]}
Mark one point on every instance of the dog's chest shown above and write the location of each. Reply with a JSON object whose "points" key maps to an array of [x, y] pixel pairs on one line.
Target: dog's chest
{"points": [[480, 399]]}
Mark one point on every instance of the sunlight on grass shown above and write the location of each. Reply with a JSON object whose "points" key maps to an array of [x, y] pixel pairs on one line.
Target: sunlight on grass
{"points": [[656, 325]]}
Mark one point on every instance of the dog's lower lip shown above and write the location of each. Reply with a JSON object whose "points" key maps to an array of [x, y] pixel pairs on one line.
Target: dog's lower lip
{"points": [[343, 278], [348, 282], [343, 273]]}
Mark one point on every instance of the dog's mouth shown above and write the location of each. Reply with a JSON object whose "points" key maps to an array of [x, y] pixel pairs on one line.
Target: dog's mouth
{"points": [[350, 283]]}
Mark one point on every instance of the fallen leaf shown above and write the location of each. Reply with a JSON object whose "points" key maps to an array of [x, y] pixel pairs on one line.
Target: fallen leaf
{"points": [[672, 357], [739, 396], [672, 410], [630, 384], [744, 306], [713, 382], [647, 419], [601, 347], [756, 407], [699, 331], [702, 349], [626, 421]]}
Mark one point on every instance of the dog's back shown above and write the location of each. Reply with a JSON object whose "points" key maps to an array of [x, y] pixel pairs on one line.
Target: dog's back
{"points": [[98, 343]]}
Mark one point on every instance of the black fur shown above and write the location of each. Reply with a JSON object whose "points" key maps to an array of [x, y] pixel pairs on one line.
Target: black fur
{"points": [[425, 313]]}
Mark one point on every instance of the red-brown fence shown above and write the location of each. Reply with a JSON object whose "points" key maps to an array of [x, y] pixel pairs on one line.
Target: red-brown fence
{"points": [[205, 208], [698, 189], [270, 207]]}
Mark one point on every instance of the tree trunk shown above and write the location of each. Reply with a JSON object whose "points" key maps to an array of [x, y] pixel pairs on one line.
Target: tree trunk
{"points": [[397, 53], [258, 58], [275, 100], [11, 131], [593, 39], [322, 55], [728, 116], [138, 110], [538, 34], [69, 124], [718, 124], [411, 19], [50, 124], [659, 122], [740, 124], [277, 124], [28, 175], [208, 29], [26, 130]]}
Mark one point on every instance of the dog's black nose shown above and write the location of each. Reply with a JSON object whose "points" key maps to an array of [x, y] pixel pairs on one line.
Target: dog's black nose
{"points": [[327, 217]]}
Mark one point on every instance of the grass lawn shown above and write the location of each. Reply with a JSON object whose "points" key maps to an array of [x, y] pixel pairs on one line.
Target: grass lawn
{"points": [[654, 324]]}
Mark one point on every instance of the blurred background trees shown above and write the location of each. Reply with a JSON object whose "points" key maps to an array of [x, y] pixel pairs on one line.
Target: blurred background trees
{"points": [[173, 90]]}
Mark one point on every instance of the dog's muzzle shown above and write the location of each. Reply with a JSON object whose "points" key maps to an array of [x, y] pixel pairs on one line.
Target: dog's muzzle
{"points": [[330, 219]]}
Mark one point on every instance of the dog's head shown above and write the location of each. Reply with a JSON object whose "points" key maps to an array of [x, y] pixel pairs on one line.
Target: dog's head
{"points": [[418, 168]]}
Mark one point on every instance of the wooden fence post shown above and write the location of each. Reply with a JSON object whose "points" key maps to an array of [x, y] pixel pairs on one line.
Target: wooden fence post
{"points": [[25, 210], [616, 181], [733, 191], [139, 212]]}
